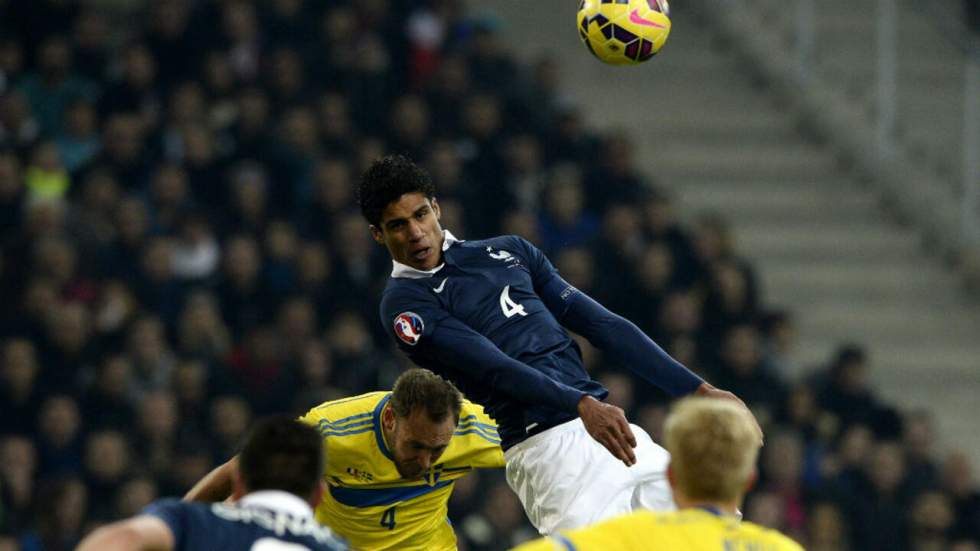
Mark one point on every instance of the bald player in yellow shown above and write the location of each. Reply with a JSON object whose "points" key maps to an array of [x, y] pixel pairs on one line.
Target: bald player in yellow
{"points": [[391, 461], [713, 446]]}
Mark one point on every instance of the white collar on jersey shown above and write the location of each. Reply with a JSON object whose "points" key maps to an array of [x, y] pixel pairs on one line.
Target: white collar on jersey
{"points": [[403, 270], [279, 501]]}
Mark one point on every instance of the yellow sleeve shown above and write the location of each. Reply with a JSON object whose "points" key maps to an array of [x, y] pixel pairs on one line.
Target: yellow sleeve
{"points": [[477, 433], [309, 418], [787, 544], [541, 544]]}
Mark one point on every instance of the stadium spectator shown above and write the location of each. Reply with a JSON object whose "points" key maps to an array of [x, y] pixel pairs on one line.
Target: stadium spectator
{"points": [[107, 463], [18, 468], [566, 220], [826, 528], [59, 437], [108, 403], [19, 376]]}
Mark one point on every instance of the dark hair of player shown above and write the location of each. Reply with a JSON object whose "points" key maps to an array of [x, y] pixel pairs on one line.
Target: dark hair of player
{"points": [[386, 180], [281, 453], [421, 388]]}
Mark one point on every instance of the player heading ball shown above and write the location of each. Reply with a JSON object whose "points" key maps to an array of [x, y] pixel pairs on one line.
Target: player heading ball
{"points": [[491, 316]]}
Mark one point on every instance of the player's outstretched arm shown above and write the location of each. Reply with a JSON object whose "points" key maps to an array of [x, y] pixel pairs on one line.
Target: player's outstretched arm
{"points": [[216, 485], [142, 533], [617, 335], [622, 338]]}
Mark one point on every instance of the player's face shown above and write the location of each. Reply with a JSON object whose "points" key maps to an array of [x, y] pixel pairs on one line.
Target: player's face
{"points": [[410, 229], [417, 442]]}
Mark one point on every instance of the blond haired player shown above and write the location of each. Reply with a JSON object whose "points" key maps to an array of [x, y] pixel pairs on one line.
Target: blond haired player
{"points": [[713, 445], [392, 460]]}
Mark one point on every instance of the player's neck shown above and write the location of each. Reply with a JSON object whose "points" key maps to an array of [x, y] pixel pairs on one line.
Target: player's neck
{"points": [[716, 507]]}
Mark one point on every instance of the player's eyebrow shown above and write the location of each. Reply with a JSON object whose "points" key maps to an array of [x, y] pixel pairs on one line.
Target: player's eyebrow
{"points": [[396, 221], [423, 445]]}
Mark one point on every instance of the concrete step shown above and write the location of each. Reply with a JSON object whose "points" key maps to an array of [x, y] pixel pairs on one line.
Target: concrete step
{"points": [[886, 351], [708, 100], [714, 133], [788, 291], [772, 203], [876, 279], [893, 320], [801, 245], [704, 119], [805, 299], [760, 161]]}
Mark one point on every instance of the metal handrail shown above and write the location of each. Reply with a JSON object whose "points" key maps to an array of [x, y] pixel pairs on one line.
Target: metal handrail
{"points": [[960, 201]]}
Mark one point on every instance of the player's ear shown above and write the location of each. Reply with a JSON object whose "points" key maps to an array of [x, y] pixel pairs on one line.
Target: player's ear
{"points": [[238, 489], [671, 477], [376, 234], [317, 497], [436, 209], [388, 418], [753, 478]]}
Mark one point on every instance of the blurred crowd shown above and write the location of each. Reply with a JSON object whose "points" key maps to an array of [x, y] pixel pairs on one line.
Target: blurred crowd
{"points": [[180, 252]]}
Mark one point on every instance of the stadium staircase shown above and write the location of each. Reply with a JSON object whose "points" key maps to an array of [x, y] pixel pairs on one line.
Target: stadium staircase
{"points": [[827, 247]]}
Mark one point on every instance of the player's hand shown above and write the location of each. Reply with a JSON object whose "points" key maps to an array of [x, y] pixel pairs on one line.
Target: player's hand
{"points": [[607, 424], [711, 392]]}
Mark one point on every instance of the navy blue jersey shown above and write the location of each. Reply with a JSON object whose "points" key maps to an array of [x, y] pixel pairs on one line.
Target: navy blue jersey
{"points": [[250, 526], [490, 319]]}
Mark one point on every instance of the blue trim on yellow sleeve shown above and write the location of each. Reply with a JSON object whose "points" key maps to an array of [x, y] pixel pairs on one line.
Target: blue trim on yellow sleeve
{"points": [[374, 497], [345, 420], [324, 425], [478, 433], [376, 415], [466, 421], [491, 432], [566, 543], [326, 432]]}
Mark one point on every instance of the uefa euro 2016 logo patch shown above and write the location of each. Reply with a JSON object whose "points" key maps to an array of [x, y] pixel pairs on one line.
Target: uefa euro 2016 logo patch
{"points": [[408, 327]]}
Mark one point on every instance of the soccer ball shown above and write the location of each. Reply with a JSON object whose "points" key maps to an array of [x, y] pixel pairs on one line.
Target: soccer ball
{"points": [[624, 32]]}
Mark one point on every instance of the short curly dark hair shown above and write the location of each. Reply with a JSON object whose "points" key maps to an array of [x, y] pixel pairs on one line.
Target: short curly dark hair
{"points": [[386, 180]]}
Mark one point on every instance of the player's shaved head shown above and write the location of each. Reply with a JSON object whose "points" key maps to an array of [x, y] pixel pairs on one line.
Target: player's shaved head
{"points": [[386, 180], [420, 389], [713, 446]]}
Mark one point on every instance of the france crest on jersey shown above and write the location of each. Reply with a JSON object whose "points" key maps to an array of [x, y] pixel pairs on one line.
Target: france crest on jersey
{"points": [[261, 521]]}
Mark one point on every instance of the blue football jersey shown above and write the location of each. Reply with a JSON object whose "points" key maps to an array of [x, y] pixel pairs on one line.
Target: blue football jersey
{"points": [[492, 287], [262, 521]]}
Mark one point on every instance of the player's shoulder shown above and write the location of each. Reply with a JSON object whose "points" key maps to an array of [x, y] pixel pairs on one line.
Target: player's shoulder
{"points": [[167, 507], [634, 520], [512, 243], [178, 515], [345, 412], [405, 290], [775, 539], [472, 410]]}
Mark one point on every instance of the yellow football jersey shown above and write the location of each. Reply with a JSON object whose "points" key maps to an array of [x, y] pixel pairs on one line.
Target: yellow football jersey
{"points": [[686, 530], [368, 502]]}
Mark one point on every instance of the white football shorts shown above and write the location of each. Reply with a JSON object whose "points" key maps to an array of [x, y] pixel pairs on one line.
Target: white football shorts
{"points": [[566, 479]]}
